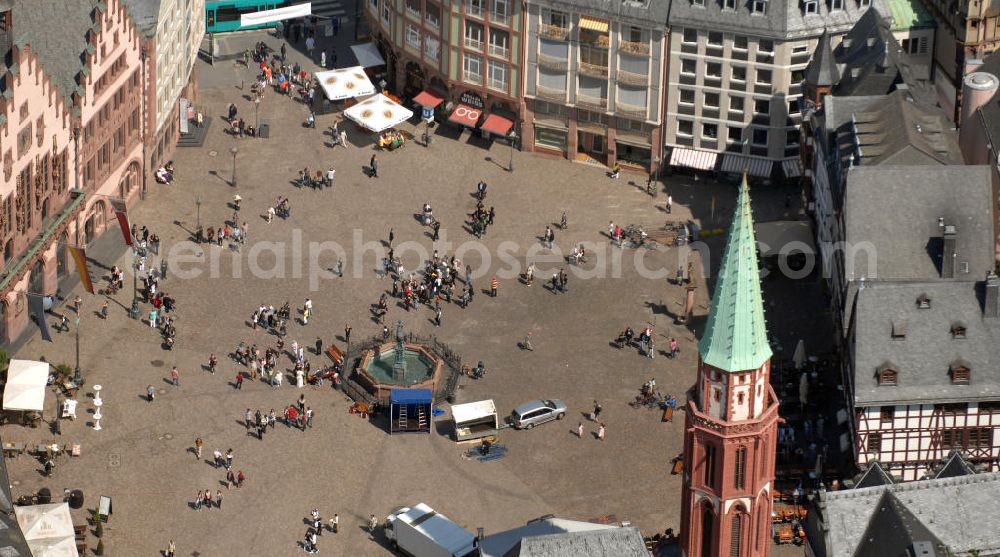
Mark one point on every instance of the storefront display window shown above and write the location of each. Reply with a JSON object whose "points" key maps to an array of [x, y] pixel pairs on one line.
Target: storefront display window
{"points": [[631, 154], [546, 137]]}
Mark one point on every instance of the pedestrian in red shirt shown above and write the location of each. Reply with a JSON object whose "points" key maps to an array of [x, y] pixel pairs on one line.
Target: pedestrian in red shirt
{"points": [[239, 380]]}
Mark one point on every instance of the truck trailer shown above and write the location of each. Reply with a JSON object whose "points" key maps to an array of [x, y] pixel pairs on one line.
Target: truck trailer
{"points": [[420, 531]]}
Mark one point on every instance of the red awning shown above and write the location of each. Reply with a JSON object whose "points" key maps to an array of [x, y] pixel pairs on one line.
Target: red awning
{"points": [[466, 115], [428, 99], [497, 124]]}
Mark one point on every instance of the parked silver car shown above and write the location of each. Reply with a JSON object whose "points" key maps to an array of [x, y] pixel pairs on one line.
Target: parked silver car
{"points": [[530, 414]]}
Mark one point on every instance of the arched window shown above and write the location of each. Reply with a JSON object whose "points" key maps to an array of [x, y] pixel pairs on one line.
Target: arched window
{"points": [[736, 534], [707, 525]]}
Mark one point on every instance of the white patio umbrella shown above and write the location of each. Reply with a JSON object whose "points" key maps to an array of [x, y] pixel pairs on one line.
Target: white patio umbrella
{"points": [[799, 357], [378, 113], [48, 529], [345, 83]]}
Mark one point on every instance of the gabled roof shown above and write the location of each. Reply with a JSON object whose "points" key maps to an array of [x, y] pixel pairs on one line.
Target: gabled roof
{"points": [[874, 475], [57, 32], [822, 70], [782, 20], [735, 337], [616, 542], [499, 544], [145, 14], [955, 466], [892, 529]]}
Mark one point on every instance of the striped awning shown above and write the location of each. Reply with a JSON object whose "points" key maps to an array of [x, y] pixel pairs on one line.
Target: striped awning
{"points": [[693, 158], [594, 24], [792, 167], [737, 164]]}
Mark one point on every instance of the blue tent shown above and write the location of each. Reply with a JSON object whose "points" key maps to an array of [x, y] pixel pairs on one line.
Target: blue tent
{"points": [[410, 410]]}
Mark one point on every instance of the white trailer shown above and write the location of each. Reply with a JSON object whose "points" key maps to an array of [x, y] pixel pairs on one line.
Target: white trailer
{"points": [[475, 420], [421, 532]]}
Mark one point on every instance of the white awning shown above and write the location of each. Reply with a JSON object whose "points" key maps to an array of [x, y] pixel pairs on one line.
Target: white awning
{"points": [[378, 113], [792, 167], [279, 14], [345, 83], [739, 164], [368, 55], [693, 158], [25, 388], [48, 529], [463, 413]]}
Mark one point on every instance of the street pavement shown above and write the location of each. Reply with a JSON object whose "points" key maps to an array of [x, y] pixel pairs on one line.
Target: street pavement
{"points": [[143, 457]]}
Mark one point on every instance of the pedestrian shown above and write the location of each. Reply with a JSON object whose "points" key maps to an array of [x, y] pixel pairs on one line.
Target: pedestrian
{"points": [[239, 379], [579, 430], [152, 319], [322, 58], [436, 228], [373, 165], [283, 50], [309, 417], [248, 419], [104, 310], [171, 549], [77, 301], [150, 392], [597, 411], [673, 348], [229, 460], [437, 316], [317, 522], [527, 342], [319, 346], [218, 498], [175, 376], [392, 235], [198, 499], [493, 287], [347, 333], [600, 432], [372, 524], [335, 523], [340, 268], [212, 362], [239, 479], [670, 203], [385, 332], [198, 443], [217, 455]]}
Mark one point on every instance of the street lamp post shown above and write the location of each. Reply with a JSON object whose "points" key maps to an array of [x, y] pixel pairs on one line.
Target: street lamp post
{"points": [[512, 137], [256, 120], [197, 204], [234, 150], [77, 378], [134, 312]]}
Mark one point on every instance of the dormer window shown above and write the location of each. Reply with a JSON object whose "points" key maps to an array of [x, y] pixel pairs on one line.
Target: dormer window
{"points": [[836, 5], [729, 5], [960, 372], [887, 375], [899, 330], [923, 301], [758, 7], [810, 7], [958, 330]]}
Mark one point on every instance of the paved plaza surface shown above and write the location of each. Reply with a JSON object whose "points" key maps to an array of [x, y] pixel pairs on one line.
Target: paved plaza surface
{"points": [[144, 458]]}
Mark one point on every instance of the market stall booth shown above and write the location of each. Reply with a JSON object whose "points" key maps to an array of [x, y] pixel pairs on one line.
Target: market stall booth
{"points": [[410, 410], [24, 392], [380, 114], [48, 529], [475, 420]]}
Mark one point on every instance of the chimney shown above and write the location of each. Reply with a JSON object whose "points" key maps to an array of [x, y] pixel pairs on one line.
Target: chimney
{"points": [[991, 306], [948, 253], [977, 89]]}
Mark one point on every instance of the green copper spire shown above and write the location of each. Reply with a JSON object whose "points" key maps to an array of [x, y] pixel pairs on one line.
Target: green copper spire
{"points": [[735, 338]]}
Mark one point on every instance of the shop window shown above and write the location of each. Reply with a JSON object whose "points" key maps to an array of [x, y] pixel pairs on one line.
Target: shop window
{"points": [[554, 139]]}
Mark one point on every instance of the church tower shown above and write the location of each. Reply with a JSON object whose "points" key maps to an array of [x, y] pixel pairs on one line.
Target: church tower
{"points": [[731, 422]]}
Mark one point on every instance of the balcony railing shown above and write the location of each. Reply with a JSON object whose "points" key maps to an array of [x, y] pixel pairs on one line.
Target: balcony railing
{"points": [[594, 102], [593, 69], [472, 78], [630, 78], [499, 51], [556, 32], [473, 44], [552, 62], [634, 47], [499, 18], [414, 13]]}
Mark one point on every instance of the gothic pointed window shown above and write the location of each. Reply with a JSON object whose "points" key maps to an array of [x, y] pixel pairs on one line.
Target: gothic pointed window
{"points": [[740, 471], [736, 535]]}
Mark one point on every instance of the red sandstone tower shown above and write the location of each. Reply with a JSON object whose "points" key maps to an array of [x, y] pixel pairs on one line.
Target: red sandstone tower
{"points": [[731, 421]]}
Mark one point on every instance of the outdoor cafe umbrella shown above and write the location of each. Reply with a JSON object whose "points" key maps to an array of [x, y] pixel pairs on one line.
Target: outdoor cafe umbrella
{"points": [[345, 83], [378, 113]]}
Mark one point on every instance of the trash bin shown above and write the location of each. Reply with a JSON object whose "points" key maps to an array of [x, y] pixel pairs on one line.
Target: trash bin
{"points": [[265, 131]]}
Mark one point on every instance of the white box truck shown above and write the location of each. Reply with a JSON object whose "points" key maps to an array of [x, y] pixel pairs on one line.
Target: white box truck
{"points": [[421, 531]]}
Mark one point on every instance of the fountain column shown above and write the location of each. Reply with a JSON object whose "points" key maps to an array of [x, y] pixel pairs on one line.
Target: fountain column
{"points": [[399, 365]]}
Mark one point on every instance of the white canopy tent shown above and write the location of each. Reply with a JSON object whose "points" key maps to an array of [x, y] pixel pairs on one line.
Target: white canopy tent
{"points": [[345, 83], [25, 388], [378, 113], [278, 14], [471, 411], [48, 529], [368, 55]]}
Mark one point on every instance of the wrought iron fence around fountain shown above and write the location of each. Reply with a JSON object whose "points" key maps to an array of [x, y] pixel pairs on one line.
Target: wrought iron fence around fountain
{"points": [[446, 389]]}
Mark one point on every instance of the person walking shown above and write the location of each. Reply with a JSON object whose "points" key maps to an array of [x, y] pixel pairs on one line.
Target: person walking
{"points": [[373, 165], [150, 392], [171, 549], [239, 479], [218, 498], [436, 228], [229, 460], [527, 342], [600, 432], [217, 455], [230, 480], [392, 235], [198, 443], [597, 411], [335, 523], [579, 430], [347, 333], [670, 204], [372, 524], [239, 379], [437, 316], [494, 285], [175, 376], [673, 348], [104, 310], [319, 346]]}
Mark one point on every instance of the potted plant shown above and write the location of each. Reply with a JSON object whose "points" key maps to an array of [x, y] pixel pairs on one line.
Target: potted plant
{"points": [[95, 518], [99, 531], [99, 550]]}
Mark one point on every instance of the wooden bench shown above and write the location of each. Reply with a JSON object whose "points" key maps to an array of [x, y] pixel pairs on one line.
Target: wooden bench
{"points": [[335, 354]]}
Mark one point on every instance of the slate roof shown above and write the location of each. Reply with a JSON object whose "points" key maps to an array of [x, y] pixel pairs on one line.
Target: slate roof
{"points": [[923, 360], [895, 209], [735, 336], [784, 18], [866, 55], [497, 545], [874, 475], [955, 511], [955, 466], [617, 542], [57, 33], [643, 13], [145, 14], [822, 69], [892, 529]]}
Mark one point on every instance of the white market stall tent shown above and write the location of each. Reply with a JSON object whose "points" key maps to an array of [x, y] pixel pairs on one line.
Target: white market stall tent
{"points": [[25, 388], [279, 14], [475, 420], [378, 113], [48, 529], [345, 83]]}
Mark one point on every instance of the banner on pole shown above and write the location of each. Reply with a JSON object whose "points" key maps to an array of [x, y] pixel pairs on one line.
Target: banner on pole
{"points": [[80, 258], [121, 213], [37, 309]]}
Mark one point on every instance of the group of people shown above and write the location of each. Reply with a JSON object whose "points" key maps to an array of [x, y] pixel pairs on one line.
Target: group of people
{"points": [[391, 139]]}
